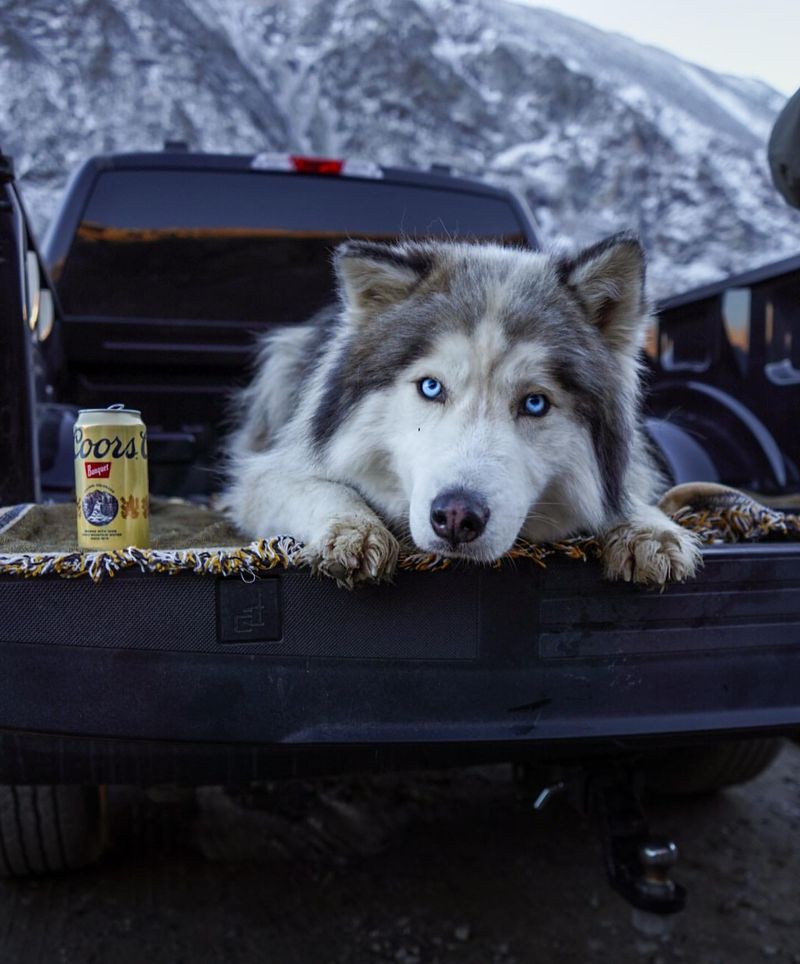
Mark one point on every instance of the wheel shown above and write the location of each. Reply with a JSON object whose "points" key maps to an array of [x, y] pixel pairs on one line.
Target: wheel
{"points": [[693, 771], [46, 829]]}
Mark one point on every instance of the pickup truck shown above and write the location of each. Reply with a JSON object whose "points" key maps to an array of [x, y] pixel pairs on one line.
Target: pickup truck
{"points": [[155, 275]]}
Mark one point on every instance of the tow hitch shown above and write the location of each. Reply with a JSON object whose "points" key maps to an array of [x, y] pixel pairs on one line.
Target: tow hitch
{"points": [[638, 864]]}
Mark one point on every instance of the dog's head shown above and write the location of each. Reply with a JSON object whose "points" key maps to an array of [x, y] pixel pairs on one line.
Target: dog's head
{"points": [[486, 391]]}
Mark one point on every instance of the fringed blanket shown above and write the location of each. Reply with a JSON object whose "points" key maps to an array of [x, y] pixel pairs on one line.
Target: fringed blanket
{"points": [[40, 540]]}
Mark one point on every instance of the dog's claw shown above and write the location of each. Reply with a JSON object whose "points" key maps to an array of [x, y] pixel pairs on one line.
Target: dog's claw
{"points": [[651, 555], [354, 551]]}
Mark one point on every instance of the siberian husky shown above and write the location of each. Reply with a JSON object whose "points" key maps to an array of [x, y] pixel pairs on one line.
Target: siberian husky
{"points": [[460, 396]]}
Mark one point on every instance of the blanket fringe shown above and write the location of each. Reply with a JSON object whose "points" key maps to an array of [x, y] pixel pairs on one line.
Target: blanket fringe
{"points": [[245, 561], [743, 521]]}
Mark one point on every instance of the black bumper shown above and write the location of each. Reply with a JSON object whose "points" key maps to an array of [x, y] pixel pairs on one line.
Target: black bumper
{"points": [[190, 679]]}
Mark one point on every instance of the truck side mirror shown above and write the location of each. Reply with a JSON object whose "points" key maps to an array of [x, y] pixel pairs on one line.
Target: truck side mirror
{"points": [[783, 151]]}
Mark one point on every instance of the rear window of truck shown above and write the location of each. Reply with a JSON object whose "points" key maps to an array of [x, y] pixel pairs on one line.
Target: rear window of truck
{"points": [[247, 246]]}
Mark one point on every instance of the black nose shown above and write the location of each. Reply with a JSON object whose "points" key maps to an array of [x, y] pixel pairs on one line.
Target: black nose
{"points": [[459, 515]]}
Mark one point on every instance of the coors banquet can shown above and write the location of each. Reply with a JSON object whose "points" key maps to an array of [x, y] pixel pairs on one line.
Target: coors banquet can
{"points": [[110, 446]]}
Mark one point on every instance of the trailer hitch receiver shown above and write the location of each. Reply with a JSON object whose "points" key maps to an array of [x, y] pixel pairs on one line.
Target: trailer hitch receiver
{"points": [[638, 864]]}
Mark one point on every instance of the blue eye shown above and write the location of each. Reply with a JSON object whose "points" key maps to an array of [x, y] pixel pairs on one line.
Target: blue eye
{"points": [[536, 405], [430, 388]]}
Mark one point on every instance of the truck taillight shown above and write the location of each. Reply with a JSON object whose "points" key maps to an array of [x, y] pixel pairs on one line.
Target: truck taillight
{"points": [[304, 164], [316, 165]]}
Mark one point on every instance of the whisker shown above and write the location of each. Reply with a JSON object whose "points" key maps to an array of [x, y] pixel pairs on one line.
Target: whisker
{"points": [[541, 517]]}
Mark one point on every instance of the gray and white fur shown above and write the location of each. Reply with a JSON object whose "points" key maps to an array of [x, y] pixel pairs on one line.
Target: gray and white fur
{"points": [[461, 396]]}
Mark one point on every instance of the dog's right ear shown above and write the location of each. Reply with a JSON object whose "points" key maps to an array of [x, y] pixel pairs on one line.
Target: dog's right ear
{"points": [[375, 276]]}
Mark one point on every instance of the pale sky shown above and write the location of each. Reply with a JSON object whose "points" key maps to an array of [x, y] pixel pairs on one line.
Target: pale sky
{"points": [[753, 39]]}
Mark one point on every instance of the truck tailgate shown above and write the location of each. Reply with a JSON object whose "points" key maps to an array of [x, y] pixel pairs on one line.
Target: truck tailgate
{"points": [[515, 659]]}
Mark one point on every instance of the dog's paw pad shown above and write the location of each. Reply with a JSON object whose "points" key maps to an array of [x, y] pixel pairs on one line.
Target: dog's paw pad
{"points": [[651, 555], [354, 550]]}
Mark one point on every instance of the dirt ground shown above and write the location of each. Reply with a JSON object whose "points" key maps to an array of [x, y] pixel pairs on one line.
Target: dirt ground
{"points": [[439, 867]]}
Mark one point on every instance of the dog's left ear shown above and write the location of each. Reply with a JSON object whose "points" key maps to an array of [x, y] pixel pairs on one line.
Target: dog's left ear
{"points": [[375, 276], [609, 278]]}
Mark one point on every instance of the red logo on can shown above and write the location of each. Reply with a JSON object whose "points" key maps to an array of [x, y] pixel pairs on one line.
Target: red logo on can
{"points": [[97, 470]]}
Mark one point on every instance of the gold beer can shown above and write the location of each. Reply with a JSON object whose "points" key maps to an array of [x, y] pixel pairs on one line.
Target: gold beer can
{"points": [[110, 446]]}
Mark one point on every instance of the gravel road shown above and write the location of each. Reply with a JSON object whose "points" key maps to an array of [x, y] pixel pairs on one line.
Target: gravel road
{"points": [[414, 869]]}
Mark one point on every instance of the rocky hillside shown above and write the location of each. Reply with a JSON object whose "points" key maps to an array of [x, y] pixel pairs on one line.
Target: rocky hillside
{"points": [[598, 132]]}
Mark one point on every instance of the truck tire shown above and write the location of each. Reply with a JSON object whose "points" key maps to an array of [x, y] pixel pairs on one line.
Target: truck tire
{"points": [[699, 770], [47, 829]]}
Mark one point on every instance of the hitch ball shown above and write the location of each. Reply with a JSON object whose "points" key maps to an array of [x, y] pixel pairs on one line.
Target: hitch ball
{"points": [[657, 859]]}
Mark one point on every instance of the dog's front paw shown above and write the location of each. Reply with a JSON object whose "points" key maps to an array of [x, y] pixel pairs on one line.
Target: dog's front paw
{"points": [[354, 550], [652, 552]]}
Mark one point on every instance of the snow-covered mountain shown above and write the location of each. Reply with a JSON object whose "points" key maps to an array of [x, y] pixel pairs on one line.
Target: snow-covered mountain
{"points": [[598, 132]]}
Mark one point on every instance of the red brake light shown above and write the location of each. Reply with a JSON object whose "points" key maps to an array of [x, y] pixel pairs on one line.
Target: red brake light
{"points": [[300, 164], [316, 165]]}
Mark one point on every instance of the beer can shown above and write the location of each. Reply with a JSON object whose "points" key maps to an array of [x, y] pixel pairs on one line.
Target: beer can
{"points": [[111, 494]]}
